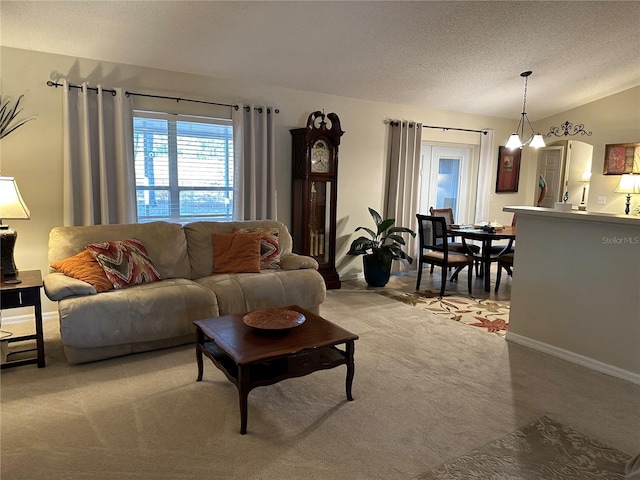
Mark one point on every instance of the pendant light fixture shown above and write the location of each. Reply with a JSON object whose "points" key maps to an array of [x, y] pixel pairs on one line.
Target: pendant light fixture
{"points": [[515, 140]]}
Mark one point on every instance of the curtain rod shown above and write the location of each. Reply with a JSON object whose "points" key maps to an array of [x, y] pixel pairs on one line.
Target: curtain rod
{"points": [[396, 123], [484, 132], [177, 99]]}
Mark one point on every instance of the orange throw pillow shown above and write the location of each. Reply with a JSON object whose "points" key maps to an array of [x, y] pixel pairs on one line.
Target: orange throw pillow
{"points": [[83, 266], [236, 252], [269, 248]]}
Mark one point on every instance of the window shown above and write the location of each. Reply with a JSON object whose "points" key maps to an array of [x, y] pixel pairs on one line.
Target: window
{"points": [[183, 166], [445, 183]]}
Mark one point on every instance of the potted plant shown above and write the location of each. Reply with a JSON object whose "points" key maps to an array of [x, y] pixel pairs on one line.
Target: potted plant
{"points": [[384, 246]]}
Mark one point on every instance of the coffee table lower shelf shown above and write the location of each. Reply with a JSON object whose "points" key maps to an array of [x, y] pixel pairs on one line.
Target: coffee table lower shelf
{"points": [[275, 370]]}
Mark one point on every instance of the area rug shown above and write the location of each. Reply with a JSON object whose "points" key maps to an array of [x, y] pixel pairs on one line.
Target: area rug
{"points": [[543, 450], [486, 315]]}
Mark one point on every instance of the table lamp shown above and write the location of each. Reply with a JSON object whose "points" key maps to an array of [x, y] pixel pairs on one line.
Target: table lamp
{"points": [[12, 207], [629, 184], [584, 179]]}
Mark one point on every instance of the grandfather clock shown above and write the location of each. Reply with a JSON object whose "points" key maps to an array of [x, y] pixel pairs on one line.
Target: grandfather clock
{"points": [[315, 187]]}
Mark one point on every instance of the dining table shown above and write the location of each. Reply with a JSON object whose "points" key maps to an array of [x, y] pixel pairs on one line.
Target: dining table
{"points": [[486, 237]]}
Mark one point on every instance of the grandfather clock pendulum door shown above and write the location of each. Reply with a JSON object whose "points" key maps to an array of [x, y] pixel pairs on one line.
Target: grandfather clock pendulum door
{"points": [[315, 187]]}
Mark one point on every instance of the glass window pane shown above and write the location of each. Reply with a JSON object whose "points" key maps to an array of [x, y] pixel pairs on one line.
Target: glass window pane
{"points": [[448, 182], [153, 203], [206, 202]]}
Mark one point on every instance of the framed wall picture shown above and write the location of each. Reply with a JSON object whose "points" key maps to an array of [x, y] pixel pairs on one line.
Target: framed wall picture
{"points": [[508, 170], [620, 158]]}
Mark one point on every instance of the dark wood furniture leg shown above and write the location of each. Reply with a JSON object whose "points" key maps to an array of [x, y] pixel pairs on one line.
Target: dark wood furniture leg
{"points": [[39, 331], [243, 393], [350, 347], [486, 260], [199, 347]]}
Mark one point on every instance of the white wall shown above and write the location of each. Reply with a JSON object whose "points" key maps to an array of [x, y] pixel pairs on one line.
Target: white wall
{"points": [[33, 154]]}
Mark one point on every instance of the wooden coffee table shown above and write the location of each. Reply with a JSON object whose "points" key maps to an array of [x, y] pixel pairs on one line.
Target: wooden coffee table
{"points": [[252, 357]]}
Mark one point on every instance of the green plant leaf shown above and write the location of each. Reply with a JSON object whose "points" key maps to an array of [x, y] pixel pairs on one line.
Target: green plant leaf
{"points": [[368, 230], [402, 230], [396, 238], [377, 219], [8, 114], [360, 246], [382, 226]]}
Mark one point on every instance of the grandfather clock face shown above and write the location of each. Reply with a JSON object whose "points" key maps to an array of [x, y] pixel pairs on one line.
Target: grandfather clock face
{"points": [[320, 157]]}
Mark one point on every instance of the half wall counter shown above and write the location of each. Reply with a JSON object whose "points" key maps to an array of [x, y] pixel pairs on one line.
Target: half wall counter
{"points": [[576, 288]]}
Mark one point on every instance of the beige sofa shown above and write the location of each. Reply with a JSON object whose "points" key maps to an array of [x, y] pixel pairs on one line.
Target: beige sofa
{"points": [[148, 316]]}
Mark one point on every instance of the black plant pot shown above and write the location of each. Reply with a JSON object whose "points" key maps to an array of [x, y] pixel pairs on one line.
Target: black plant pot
{"points": [[376, 273]]}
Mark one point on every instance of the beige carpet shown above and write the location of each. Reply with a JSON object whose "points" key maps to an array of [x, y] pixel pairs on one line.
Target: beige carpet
{"points": [[426, 391]]}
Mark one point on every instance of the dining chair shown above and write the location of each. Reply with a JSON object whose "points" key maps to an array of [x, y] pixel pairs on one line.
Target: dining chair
{"points": [[433, 240], [504, 262], [447, 214]]}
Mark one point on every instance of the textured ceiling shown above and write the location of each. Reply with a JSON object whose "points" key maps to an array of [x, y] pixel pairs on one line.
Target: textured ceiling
{"points": [[450, 55]]}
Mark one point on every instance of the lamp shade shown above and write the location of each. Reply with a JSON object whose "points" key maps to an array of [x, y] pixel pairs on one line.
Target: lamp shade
{"points": [[514, 142], [629, 184], [585, 177], [12, 205], [537, 141]]}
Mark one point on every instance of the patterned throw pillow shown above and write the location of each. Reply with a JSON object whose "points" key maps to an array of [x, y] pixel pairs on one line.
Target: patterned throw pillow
{"points": [[125, 262], [269, 248], [83, 266], [236, 253]]}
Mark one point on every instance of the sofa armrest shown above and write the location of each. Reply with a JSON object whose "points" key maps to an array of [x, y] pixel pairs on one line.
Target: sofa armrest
{"points": [[58, 286], [293, 261]]}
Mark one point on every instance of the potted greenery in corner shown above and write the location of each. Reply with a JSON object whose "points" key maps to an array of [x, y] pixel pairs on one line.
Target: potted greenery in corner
{"points": [[384, 246]]}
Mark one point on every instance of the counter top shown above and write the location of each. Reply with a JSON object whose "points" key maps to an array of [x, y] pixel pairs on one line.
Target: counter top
{"points": [[600, 217]]}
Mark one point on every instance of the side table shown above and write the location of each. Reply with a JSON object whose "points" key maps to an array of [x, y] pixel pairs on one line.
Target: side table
{"points": [[25, 294]]}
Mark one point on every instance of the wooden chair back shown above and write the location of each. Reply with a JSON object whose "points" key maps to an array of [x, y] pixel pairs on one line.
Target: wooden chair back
{"points": [[432, 233], [447, 213]]}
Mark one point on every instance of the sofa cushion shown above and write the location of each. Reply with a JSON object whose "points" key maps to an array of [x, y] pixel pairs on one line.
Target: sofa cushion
{"points": [[269, 247], [83, 266], [236, 252], [128, 316], [125, 262]]}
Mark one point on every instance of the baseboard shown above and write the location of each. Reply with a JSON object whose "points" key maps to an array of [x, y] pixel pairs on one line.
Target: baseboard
{"points": [[574, 358], [351, 276]]}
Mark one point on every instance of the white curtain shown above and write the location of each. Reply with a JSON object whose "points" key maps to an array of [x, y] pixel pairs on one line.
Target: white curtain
{"points": [[255, 195], [403, 180], [485, 169], [99, 179]]}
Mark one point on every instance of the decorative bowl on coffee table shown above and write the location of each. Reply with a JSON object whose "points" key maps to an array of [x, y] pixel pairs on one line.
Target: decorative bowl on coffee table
{"points": [[274, 319]]}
